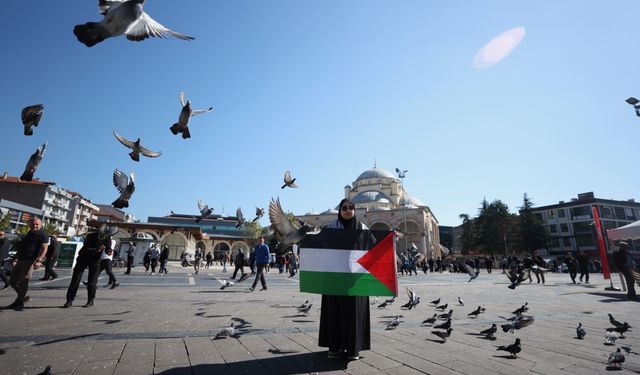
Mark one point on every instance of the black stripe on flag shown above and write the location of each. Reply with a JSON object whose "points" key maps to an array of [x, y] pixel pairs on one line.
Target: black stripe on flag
{"points": [[343, 239]]}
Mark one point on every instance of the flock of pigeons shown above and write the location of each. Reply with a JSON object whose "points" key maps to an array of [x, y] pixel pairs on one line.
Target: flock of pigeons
{"points": [[441, 323]]}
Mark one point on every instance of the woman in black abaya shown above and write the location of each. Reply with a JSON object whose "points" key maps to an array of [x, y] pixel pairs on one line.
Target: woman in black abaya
{"points": [[345, 320]]}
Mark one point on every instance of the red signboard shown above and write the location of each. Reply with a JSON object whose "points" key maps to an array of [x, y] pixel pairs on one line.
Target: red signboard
{"points": [[601, 246]]}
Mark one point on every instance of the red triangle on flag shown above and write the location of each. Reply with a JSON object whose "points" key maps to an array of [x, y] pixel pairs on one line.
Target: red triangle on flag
{"points": [[380, 261]]}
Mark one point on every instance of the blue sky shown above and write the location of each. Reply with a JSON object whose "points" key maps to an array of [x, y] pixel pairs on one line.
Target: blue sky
{"points": [[324, 88]]}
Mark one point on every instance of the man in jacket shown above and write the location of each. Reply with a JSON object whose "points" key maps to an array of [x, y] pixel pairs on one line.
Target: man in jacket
{"points": [[239, 263], [31, 252], [131, 253], [624, 263], [262, 260], [51, 259]]}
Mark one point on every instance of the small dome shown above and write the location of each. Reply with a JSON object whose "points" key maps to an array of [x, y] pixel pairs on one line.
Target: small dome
{"points": [[370, 196], [330, 211], [411, 200], [375, 173], [312, 213]]}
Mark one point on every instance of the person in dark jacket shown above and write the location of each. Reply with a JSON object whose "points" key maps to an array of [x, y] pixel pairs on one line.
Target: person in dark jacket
{"points": [[88, 257], [146, 260], [572, 266], [238, 261], [252, 263], [624, 263], [583, 265], [345, 322], [164, 257], [50, 259], [131, 253], [262, 260], [32, 249], [4, 252]]}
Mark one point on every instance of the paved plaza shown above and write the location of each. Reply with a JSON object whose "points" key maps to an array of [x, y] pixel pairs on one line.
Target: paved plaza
{"points": [[155, 324]]}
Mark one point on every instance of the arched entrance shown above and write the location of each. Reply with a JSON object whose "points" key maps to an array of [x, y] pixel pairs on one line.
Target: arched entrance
{"points": [[380, 226], [177, 244], [219, 249]]}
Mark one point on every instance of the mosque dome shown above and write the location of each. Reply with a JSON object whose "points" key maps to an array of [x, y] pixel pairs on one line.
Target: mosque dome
{"points": [[369, 197], [380, 209], [413, 201], [311, 213], [375, 172], [330, 211]]}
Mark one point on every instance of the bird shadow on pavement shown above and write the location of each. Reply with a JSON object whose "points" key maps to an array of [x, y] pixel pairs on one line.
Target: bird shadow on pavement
{"points": [[67, 339], [110, 314], [504, 356], [612, 297], [436, 341], [614, 368], [303, 321], [283, 364], [107, 321]]}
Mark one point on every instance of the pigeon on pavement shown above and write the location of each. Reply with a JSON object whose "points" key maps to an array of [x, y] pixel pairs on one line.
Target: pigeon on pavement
{"points": [[444, 325], [123, 17], [517, 278], [614, 322], [476, 312], [490, 332], [386, 302], [288, 181], [137, 148], [446, 316], [126, 187], [31, 116], [413, 300], [259, 214], [394, 323], [616, 359], [444, 335], [205, 211], [431, 320], [240, 218], [435, 302], [610, 338], [33, 163], [226, 284], [522, 309], [621, 330], [292, 233], [460, 301], [580, 331], [520, 321], [513, 349], [442, 307], [305, 310], [304, 305], [226, 332], [182, 126]]}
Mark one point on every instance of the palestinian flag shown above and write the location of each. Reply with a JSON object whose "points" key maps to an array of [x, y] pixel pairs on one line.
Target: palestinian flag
{"points": [[349, 263]]}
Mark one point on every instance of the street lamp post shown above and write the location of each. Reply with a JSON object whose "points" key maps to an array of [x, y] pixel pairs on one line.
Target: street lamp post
{"points": [[401, 175]]}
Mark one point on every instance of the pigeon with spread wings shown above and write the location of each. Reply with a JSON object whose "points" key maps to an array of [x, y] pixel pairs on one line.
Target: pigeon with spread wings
{"points": [[31, 116], [123, 17], [126, 186], [240, 218], [288, 181], [204, 211], [136, 147], [33, 163], [280, 221], [186, 113], [259, 214]]}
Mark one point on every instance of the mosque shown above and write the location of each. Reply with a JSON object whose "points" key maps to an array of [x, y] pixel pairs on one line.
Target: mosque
{"points": [[382, 203]]}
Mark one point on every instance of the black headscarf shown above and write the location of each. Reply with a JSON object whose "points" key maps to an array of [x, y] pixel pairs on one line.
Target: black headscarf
{"points": [[353, 223]]}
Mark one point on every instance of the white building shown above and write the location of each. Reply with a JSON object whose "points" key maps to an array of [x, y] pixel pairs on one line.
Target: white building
{"points": [[81, 211], [56, 208]]}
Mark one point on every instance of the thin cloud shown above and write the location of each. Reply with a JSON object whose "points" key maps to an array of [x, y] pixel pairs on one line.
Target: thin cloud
{"points": [[498, 48]]}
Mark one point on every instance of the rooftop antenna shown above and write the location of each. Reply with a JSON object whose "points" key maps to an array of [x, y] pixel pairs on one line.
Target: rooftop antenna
{"points": [[375, 165]]}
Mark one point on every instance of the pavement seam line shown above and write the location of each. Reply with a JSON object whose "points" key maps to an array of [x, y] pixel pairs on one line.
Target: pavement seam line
{"points": [[120, 357], [186, 348]]}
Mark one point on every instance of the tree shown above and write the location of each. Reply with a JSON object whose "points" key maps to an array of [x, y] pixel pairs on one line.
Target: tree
{"points": [[468, 235], [51, 229], [5, 222], [493, 226], [252, 229], [532, 231]]}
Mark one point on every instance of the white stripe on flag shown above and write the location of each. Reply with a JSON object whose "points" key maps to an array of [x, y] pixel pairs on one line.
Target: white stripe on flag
{"points": [[330, 260]]}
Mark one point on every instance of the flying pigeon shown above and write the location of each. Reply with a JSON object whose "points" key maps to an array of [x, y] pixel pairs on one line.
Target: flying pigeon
{"points": [[610, 338], [580, 331], [305, 310], [517, 278], [413, 300], [240, 218], [288, 181], [513, 349], [182, 126], [123, 17], [616, 359], [442, 307], [621, 330], [126, 187], [446, 315], [471, 271], [520, 321], [435, 302], [444, 325], [521, 309], [460, 301], [476, 312], [394, 323], [431, 320], [226, 284], [229, 331], [259, 214], [614, 322], [31, 116], [33, 163], [386, 302], [490, 332], [205, 211], [444, 335], [292, 233], [137, 148]]}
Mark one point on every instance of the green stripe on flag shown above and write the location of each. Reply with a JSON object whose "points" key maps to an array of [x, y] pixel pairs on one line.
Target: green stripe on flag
{"points": [[342, 284]]}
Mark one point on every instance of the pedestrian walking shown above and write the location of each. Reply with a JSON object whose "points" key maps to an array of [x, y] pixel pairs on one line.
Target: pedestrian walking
{"points": [[209, 259], [164, 257], [252, 263], [238, 261], [583, 266], [32, 249], [572, 266], [262, 259], [51, 258], [106, 263], [153, 258], [345, 320], [146, 260], [131, 253], [488, 264], [198, 259], [225, 260], [538, 261]]}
